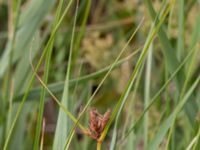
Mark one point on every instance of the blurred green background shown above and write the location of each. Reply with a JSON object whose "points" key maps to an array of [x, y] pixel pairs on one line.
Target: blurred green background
{"points": [[140, 59]]}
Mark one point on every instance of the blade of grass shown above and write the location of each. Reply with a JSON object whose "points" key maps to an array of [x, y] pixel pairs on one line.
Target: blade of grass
{"points": [[9, 92], [81, 31], [69, 139], [22, 71], [12, 38], [194, 141], [114, 134], [147, 93], [132, 137], [19, 133], [191, 108], [42, 135], [181, 25], [63, 124], [169, 25], [196, 146], [195, 33]]}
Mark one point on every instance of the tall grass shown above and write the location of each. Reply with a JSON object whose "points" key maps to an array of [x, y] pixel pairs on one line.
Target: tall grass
{"points": [[60, 59]]}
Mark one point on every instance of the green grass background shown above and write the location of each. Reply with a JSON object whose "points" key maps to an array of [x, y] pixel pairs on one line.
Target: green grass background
{"points": [[140, 59]]}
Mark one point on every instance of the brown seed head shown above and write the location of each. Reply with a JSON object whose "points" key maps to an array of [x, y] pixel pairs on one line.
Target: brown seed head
{"points": [[97, 123]]}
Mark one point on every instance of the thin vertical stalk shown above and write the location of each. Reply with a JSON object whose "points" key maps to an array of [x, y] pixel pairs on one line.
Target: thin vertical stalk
{"points": [[180, 45], [147, 93]]}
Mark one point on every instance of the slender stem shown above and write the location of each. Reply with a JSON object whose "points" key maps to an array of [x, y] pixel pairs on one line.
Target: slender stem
{"points": [[99, 145], [147, 94]]}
